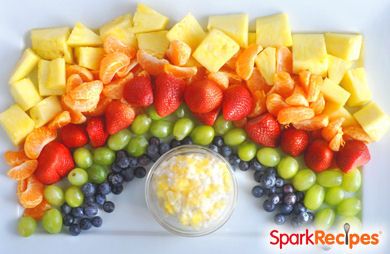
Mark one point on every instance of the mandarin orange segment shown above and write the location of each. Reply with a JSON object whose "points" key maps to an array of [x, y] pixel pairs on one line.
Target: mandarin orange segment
{"points": [[127, 69], [337, 141], [314, 89], [80, 105], [319, 105], [332, 129], [294, 114], [72, 82], [260, 103], [283, 84], [87, 90], [111, 64], [246, 61], [23, 171], [257, 82], [114, 90], [15, 158], [357, 133], [200, 75], [60, 120], [100, 107], [283, 60], [275, 103], [304, 79], [113, 45], [30, 192], [38, 211], [297, 98], [180, 71], [77, 117], [220, 77], [37, 140], [151, 64], [178, 52], [84, 73], [231, 64], [313, 124]]}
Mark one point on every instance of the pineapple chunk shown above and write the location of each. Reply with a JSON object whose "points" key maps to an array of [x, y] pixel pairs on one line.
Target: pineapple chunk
{"points": [[16, 123], [24, 66], [373, 120], [121, 29], [148, 20], [266, 64], [309, 53], [251, 38], [236, 26], [89, 57], [215, 50], [50, 43], [335, 93], [273, 30], [345, 46], [337, 68], [187, 30], [155, 43], [83, 36], [45, 110], [355, 83], [57, 74], [25, 94], [43, 75], [335, 112]]}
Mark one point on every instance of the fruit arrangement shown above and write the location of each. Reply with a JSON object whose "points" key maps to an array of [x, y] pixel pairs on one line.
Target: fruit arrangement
{"points": [[94, 108]]}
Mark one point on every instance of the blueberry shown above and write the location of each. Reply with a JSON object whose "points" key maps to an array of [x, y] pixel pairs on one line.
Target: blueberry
{"points": [[279, 182], [174, 143], [280, 219], [303, 218], [271, 191], [164, 147], [143, 160], [121, 154], [108, 207], [100, 199], [128, 174], [300, 195], [186, 141], [77, 212], [104, 188], [74, 230], [123, 162], [234, 160], [295, 222], [267, 180], [290, 199], [90, 210], [255, 165], [218, 141], [89, 200], [243, 165], [115, 168], [268, 205], [88, 189], [226, 151], [85, 224], [152, 152], [115, 179], [67, 220], [133, 162], [214, 148], [140, 172], [97, 221], [257, 191], [66, 209], [117, 189], [271, 171], [279, 190], [285, 209], [298, 208], [154, 141], [275, 199], [258, 176], [288, 188], [311, 217]]}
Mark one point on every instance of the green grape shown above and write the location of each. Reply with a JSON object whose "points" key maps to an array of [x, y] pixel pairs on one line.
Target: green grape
{"points": [[234, 137], [74, 196], [153, 113], [352, 180], [141, 124], [182, 111], [349, 207], [137, 146], [268, 156], [324, 219], [103, 156], [314, 197], [52, 221], [353, 221], [330, 178], [119, 140], [54, 195], [78, 176], [26, 226], [334, 196], [202, 135], [221, 126], [287, 167], [161, 128], [83, 157], [182, 128], [304, 179], [246, 151], [97, 173]]}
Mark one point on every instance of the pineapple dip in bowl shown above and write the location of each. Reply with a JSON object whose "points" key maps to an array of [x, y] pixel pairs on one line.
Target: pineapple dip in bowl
{"points": [[191, 191]]}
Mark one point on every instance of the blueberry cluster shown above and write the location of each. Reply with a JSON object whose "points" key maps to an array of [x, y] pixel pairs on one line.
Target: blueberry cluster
{"points": [[156, 147]]}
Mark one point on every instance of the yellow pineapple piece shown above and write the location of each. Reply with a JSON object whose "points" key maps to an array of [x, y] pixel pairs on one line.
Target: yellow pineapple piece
{"points": [[355, 82], [273, 30], [45, 110], [251, 38], [25, 93], [236, 26], [335, 93], [373, 120], [345, 46], [187, 30], [121, 29], [215, 50], [337, 68], [83, 36], [266, 64], [50, 43], [148, 20], [24, 66], [334, 112], [309, 53], [89, 57], [16, 123], [155, 43], [57, 74], [43, 76]]}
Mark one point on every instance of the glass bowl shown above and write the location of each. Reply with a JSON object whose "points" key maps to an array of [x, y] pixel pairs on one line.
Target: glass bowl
{"points": [[171, 222]]}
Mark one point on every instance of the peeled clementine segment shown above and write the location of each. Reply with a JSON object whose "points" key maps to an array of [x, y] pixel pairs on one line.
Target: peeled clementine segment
{"points": [[294, 114], [257, 83], [84, 73], [232, 61], [113, 45], [297, 98], [72, 82], [23, 171], [178, 52], [180, 71], [314, 89], [357, 133], [127, 69], [80, 105], [259, 103], [76, 117], [114, 90], [220, 77], [275, 103], [337, 141], [304, 79], [283, 84], [38, 211], [30, 192], [37, 140], [111, 64], [313, 124], [60, 120], [151, 64], [319, 105], [87, 90], [333, 128], [95, 74], [15, 158], [100, 107], [283, 59], [246, 61]]}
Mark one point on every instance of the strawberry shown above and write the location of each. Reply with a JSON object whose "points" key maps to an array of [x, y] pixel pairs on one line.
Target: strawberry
{"points": [[73, 135], [203, 96], [318, 155], [237, 103], [96, 131], [264, 130], [168, 94], [54, 162], [119, 116], [138, 91], [293, 141], [353, 154], [209, 117]]}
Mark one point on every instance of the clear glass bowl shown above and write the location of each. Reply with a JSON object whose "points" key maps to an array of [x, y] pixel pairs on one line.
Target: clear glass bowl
{"points": [[171, 223]]}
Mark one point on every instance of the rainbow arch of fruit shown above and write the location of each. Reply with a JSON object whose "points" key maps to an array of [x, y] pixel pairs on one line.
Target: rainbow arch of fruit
{"points": [[81, 87]]}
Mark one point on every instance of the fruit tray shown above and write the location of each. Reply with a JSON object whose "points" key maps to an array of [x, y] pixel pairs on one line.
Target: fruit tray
{"points": [[128, 224]]}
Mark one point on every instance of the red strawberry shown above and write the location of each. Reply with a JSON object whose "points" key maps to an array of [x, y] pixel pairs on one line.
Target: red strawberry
{"points": [[264, 130], [138, 91], [119, 116], [318, 155], [203, 96], [237, 103], [54, 162], [208, 118], [96, 131], [168, 94], [353, 154], [73, 135], [293, 141]]}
